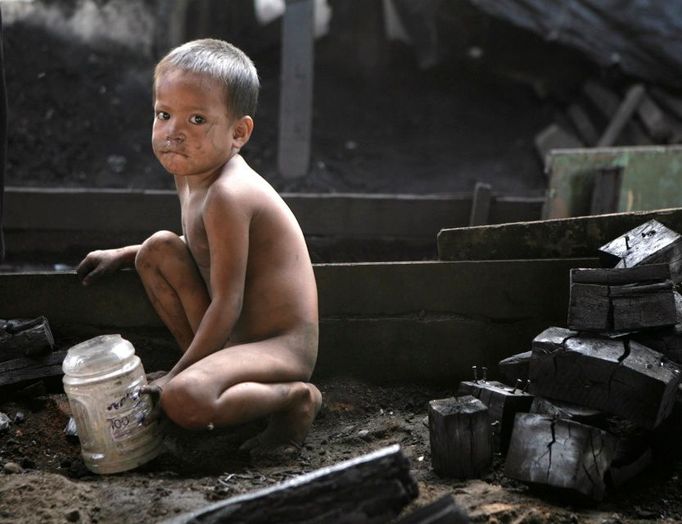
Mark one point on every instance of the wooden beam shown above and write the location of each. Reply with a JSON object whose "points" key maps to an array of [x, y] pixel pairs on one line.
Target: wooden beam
{"points": [[625, 111], [296, 89], [565, 237]]}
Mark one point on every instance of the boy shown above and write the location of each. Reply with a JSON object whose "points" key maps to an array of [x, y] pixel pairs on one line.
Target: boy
{"points": [[237, 289]]}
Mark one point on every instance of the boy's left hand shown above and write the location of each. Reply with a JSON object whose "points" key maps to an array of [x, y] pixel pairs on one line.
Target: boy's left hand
{"points": [[155, 387]]}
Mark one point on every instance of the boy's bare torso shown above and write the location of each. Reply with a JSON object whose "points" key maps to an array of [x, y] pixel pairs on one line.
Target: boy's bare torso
{"points": [[279, 295]]}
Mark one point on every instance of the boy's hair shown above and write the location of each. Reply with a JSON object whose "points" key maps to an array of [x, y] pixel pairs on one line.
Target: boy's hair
{"points": [[221, 61]]}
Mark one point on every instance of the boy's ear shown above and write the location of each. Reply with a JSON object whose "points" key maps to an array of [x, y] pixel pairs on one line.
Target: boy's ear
{"points": [[242, 131]]}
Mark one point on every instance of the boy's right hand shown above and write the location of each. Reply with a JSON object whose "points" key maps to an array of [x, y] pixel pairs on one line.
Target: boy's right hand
{"points": [[98, 264]]}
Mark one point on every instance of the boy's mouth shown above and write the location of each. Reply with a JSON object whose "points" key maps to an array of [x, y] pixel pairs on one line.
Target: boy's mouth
{"points": [[172, 152]]}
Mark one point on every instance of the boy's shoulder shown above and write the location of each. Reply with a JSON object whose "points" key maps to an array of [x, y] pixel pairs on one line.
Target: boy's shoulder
{"points": [[242, 186]]}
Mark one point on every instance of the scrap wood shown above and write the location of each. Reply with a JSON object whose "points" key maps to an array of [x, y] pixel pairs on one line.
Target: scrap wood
{"points": [[372, 488], [25, 338], [502, 401], [560, 453], [460, 437], [20, 370], [648, 243], [621, 299], [621, 377]]}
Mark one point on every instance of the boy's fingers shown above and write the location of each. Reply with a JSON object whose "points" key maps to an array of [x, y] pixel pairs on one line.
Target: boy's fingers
{"points": [[152, 390]]}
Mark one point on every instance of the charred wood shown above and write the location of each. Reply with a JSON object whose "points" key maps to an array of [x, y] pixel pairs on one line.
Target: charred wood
{"points": [[503, 403], [459, 431], [25, 338], [621, 377], [560, 453], [372, 488]]}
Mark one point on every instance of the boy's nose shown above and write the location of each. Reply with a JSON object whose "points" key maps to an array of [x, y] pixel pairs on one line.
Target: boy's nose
{"points": [[175, 137]]}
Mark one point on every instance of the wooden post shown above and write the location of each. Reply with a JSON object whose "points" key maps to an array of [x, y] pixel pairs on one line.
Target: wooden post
{"points": [[560, 453], [459, 430], [296, 89], [618, 376], [480, 205]]}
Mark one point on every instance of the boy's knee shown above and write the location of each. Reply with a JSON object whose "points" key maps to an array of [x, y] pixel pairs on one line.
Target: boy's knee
{"points": [[156, 248], [187, 403]]}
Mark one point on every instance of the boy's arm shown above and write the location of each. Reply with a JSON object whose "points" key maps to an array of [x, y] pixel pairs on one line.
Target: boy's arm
{"points": [[103, 262], [227, 230]]}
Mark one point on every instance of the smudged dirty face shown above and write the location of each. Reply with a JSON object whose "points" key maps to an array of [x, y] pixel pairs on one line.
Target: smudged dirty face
{"points": [[192, 132]]}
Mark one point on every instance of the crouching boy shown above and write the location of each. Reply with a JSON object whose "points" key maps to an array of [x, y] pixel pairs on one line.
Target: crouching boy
{"points": [[237, 289]]}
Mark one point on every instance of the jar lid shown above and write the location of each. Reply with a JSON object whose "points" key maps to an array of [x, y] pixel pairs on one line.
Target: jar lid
{"points": [[98, 355]]}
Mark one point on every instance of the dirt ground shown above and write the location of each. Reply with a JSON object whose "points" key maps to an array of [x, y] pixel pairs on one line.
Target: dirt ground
{"points": [[44, 479], [80, 116]]}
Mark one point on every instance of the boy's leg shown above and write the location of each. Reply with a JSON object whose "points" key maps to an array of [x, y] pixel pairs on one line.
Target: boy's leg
{"points": [[246, 382], [173, 284]]}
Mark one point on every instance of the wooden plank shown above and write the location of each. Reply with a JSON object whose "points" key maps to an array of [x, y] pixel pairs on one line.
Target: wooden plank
{"points": [[620, 276], [654, 119], [459, 433], [568, 237], [583, 124], [620, 377], [626, 109], [480, 206], [398, 325], [671, 103], [118, 212], [650, 178], [370, 488], [560, 453], [296, 90]]}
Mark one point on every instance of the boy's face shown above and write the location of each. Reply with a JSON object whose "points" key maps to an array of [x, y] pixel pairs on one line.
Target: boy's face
{"points": [[193, 133]]}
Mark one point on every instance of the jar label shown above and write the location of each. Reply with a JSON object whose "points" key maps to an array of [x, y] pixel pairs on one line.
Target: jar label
{"points": [[129, 415]]}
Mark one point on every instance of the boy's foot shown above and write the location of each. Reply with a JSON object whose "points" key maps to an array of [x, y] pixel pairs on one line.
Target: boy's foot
{"points": [[288, 429]]}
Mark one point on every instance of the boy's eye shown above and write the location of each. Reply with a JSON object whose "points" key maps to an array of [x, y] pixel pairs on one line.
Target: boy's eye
{"points": [[197, 119], [162, 115]]}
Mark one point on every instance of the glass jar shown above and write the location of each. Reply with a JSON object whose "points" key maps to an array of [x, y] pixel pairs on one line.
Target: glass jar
{"points": [[118, 428]]}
